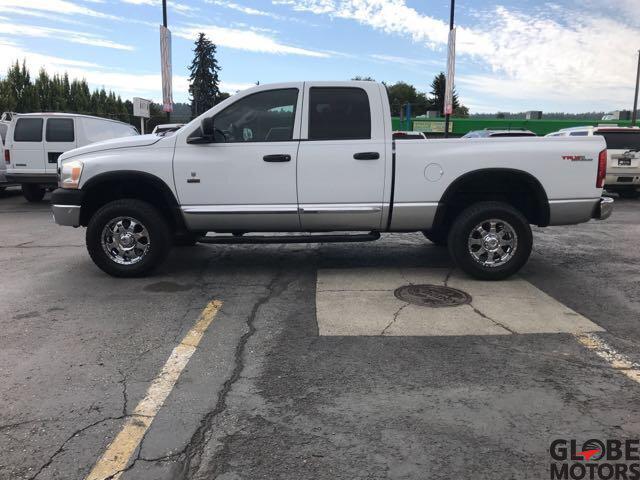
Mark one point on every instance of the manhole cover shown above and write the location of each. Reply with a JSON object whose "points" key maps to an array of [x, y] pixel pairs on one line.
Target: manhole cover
{"points": [[434, 296]]}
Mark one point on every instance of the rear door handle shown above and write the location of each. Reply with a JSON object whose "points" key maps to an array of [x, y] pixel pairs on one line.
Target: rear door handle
{"points": [[277, 158], [366, 156]]}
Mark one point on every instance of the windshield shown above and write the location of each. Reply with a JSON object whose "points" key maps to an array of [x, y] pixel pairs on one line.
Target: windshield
{"points": [[621, 140]]}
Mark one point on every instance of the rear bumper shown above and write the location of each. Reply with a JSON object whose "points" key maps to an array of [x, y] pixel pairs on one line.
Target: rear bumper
{"points": [[603, 209], [66, 206], [39, 178]]}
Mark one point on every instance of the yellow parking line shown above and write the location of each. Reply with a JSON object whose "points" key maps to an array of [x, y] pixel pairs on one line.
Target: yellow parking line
{"points": [[117, 455], [610, 355]]}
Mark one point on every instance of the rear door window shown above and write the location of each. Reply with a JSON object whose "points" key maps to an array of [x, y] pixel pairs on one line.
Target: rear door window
{"points": [[28, 130], [621, 140], [60, 130], [339, 113]]}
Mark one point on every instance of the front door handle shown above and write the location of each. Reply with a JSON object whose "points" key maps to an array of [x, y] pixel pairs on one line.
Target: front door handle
{"points": [[277, 158], [366, 156]]}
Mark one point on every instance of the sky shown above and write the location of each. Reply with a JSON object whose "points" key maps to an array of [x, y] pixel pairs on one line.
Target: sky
{"points": [[512, 55]]}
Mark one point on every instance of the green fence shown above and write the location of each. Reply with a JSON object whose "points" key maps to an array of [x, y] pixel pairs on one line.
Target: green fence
{"points": [[465, 125]]}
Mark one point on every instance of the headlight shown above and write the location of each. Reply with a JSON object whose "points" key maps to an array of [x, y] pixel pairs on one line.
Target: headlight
{"points": [[70, 174]]}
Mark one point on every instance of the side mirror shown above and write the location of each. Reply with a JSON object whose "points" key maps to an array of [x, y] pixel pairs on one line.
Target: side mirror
{"points": [[206, 134], [208, 130]]}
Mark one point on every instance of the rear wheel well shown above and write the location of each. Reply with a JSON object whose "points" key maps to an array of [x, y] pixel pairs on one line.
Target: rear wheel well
{"points": [[519, 189], [138, 185]]}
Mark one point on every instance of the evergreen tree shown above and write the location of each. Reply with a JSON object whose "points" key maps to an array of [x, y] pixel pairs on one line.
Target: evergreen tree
{"points": [[203, 81], [438, 89]]}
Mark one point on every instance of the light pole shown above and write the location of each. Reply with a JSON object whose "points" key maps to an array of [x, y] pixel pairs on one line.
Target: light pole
{"points": [[164, 23], [634, 114], [451, 24]]}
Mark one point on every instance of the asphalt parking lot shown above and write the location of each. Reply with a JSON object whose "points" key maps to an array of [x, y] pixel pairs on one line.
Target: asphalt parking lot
{"points": [[310, 367]]}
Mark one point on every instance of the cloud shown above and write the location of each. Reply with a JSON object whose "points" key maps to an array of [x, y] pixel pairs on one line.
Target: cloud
{"points": [[55, 6], [22, 30], [408, 62], [573, 57], [244, 40], [243, 9], [125, 84]]}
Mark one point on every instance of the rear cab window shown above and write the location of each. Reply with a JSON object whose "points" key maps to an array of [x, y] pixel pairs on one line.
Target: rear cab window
{"points": [[339, 113], [28, 130], [621, 140], [60, 130]]}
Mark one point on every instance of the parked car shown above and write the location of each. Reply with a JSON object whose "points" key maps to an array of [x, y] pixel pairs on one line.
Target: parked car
{"points": [[623, 163], [36, 140], [401, 135], [498, 133], [320, 157], [167, 128]]}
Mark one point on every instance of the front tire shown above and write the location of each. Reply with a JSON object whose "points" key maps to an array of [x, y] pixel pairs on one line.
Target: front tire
{"points": [[128, 238], [490, 240], [32, 192]]}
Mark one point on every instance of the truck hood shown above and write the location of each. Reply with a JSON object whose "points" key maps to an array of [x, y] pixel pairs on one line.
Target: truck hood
{"points": [[123, 142]]}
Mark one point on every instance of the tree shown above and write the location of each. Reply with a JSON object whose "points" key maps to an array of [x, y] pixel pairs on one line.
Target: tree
{"points": [[402, 93], [203, 81], [438, 89]]}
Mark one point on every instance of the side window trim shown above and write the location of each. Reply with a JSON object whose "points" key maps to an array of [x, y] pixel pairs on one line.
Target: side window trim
{"points": [[15, 129], [73, 130], [295, 113], [308, 114]]}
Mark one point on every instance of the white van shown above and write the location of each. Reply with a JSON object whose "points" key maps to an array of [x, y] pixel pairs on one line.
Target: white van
{"points": [[34, 141]]}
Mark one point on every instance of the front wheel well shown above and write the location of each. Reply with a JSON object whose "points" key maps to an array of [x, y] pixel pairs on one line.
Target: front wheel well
{"points": [[135, 185], [517, 188]]}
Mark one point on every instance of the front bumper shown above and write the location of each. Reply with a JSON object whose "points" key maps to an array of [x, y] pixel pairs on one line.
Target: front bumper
{"points": [[603, 209], [66, 206]]}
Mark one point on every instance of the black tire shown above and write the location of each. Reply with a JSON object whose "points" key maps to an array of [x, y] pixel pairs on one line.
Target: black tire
{"points": [[159, 237], [32, 192], [437, 237], [463, 227]]}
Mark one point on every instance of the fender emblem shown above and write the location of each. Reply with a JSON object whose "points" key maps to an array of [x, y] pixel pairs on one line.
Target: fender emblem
{"points": [[577, 158]]}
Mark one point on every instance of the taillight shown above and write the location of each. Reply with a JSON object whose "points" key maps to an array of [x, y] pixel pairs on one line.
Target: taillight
{"points": [[602, 169], [7, 157]]}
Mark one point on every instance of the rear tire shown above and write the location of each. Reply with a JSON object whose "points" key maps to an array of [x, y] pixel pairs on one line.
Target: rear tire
{"points": [[128, 238], [437, 237], [490, 240], [32, 192]]}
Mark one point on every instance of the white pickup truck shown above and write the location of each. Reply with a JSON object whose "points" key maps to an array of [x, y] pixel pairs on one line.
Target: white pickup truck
{"points": [[319, 158]]}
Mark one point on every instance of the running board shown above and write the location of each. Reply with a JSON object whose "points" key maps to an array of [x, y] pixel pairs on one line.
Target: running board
{"points": [[225, 239]]}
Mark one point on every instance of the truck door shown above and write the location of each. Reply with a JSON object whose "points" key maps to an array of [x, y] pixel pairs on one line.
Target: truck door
{"points": [[246, 179], [341, 160], [27, 152], [59, 137]]}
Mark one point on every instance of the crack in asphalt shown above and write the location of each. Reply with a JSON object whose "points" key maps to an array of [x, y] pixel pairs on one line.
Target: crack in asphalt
{"points": [[395, 317], [69, 438], [448, 277], [495, 322], [194, 449]]}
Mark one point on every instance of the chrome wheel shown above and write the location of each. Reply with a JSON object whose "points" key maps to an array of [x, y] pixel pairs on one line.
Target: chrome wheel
{"points": [[125, 240], [492, 243]]}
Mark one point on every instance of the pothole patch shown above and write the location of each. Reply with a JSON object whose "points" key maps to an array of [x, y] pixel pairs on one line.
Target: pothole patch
{"points": [[433, 296]]}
